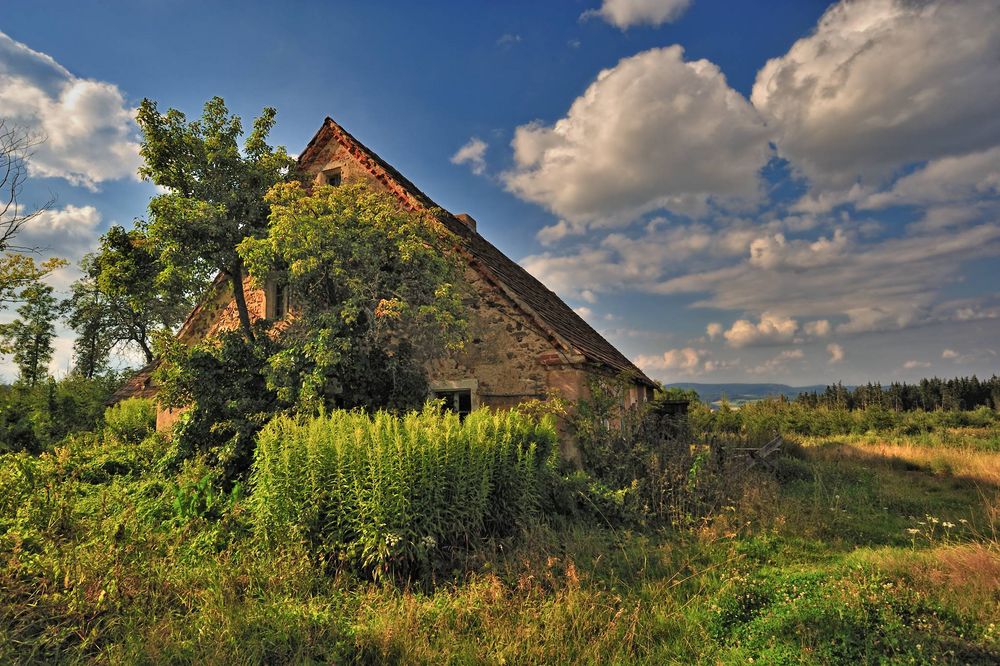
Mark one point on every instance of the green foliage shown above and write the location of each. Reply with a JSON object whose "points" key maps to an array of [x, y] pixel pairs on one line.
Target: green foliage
{"points": [[123, 299], [215, 190], [88, 316], [103, 564], [394, 496], [130, 421], [202, 499], [30, 336], [34, 418], [643, 467], [798, 418], [222, 386], [848, 616], [373, 293]]}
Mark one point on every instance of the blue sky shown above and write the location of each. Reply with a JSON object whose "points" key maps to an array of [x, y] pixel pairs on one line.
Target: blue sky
{"points": [[785, 191]]}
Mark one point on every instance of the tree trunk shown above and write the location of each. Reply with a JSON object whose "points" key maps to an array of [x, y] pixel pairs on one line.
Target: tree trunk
{"points": [[236, 275], [146, 350]]}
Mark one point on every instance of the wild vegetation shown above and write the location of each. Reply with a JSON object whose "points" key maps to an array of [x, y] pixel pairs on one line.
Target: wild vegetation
{"points": [[867, 548]]}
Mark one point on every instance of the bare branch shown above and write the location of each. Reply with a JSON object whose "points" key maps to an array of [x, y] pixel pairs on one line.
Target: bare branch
{"points": [[16, 144]]}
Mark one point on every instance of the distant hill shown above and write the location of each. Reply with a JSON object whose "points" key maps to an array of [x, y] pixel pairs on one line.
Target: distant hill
{"points": [[740, 393]]}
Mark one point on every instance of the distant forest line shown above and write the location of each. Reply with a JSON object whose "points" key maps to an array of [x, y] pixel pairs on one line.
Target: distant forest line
{"points": [[955, 394]]}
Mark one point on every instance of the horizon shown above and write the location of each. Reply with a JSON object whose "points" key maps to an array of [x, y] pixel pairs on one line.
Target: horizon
{"points": [[691, 194]]}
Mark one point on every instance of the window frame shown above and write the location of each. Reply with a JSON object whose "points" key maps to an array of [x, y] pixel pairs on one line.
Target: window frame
{"points": [[454, 388], [327, 176]]}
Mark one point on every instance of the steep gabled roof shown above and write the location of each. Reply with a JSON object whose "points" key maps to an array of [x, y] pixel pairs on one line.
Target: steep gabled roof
{"points": [[563, 326]]}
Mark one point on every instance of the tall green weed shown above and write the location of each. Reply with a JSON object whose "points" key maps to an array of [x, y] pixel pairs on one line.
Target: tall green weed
{"points": [[393, 496]]}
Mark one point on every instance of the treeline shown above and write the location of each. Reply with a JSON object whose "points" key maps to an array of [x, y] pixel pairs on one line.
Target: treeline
{"points": [[960, 393], [762, 419]]}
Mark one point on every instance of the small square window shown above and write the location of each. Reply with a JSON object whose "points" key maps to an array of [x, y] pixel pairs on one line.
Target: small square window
{"points": [[332, 177], [459, 401]]}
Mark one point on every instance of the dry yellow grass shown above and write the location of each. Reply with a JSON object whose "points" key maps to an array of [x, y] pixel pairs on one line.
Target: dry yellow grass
{"points": [[981, 466]]}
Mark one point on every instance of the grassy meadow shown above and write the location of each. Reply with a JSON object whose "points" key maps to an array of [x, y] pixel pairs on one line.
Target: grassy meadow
{"points": [[871, 548]]}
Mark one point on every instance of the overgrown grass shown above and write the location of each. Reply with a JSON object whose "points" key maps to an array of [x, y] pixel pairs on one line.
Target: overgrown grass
{"points": [[813, 563]]}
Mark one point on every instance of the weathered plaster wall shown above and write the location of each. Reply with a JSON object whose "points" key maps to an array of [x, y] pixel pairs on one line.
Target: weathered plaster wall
{"points": [[502, 350]]}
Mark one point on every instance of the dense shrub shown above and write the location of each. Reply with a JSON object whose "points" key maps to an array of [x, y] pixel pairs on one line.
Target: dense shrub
{"points": [[393, 495], [641, 466], [130, 421]]}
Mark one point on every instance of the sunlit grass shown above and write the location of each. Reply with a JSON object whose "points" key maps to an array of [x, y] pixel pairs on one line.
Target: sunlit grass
{"points": [[855, 549]]}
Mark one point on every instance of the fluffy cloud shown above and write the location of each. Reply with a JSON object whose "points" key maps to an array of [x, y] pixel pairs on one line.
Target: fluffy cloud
{"points": [[770, 329], [86, 125], [472, 153], [877, 285], [778, 363], [944, 180], [687, 360], [836, 352], [621, 261], [949, 354], [773, 252], [627, 13], [912, 365], [68, 233], [819, 328], [714, 330], [652, 132], [883, 83]]}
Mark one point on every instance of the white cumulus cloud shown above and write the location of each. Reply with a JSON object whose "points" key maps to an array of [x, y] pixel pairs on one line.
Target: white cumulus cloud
{"points": [[627, 13], [654, 131], [884, 83], [770, 329], [87, 127], [777, 364], [687, 360], [836, 352], [819, 328], [472, 153], [944, 180]]}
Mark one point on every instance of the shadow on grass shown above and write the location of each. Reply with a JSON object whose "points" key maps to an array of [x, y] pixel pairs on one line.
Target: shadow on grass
{"points": [[851, 495]]}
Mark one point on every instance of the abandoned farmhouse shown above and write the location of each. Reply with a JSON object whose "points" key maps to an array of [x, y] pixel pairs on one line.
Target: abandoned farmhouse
{"points": [[523, 343]]}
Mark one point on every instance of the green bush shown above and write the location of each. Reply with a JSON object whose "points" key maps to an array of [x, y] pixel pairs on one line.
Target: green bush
{"points": [[392, 495], [130, 421]]}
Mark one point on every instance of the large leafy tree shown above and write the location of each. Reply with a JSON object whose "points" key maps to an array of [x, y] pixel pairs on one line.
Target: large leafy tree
{"points": [[30, 336], [373, 293], [124, 298], [215, 190]]}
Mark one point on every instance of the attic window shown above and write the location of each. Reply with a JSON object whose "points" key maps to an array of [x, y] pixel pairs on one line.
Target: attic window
{"points": [[332, 177]]}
